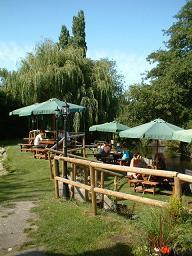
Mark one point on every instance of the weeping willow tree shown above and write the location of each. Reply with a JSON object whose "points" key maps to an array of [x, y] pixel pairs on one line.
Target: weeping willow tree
{"points": [[61, 70], [66, 74]]}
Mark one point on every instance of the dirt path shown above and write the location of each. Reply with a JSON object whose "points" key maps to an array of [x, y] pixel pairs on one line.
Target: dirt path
{"points": [[15, 219]]}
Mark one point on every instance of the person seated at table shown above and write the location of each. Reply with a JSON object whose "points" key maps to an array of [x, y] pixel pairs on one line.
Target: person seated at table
{"points": [[38, 139], [126, 156], [135, 162], [119, 148], [105, 149], [104, 152]]}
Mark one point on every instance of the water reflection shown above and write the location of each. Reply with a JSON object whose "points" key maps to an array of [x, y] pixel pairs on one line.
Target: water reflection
{"points": [[174, 161]]}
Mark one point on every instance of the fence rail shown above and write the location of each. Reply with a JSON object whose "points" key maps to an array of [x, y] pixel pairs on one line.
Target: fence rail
{"points": [[96, 170]]}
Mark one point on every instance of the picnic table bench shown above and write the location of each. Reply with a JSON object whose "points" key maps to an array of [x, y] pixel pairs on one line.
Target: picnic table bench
{"points": [[135, 182], [40, 153], [144, 185], [150, 186], [25, 147]]}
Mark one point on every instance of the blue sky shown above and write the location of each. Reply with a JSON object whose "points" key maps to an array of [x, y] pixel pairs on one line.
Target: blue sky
{"points": [[126, 31]]}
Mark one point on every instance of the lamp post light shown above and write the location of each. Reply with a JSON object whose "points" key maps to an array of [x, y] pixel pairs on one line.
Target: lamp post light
{"points": [[65, 112]]}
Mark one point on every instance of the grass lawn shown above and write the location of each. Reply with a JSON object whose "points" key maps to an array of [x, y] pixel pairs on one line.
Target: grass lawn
{"points": [[67, 227]]}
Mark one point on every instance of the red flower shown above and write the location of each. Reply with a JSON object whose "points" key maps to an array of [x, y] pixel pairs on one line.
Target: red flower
{"points": [[165, 250]]}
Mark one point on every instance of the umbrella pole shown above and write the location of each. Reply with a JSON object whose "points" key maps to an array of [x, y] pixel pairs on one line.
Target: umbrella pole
{"points": [[113, 138], [157, 147]]}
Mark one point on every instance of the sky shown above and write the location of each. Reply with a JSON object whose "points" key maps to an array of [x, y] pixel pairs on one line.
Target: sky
{"points": [[125, 31]]}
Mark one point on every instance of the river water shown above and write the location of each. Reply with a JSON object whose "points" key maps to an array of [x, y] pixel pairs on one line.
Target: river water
{"points": [[173, 160]]}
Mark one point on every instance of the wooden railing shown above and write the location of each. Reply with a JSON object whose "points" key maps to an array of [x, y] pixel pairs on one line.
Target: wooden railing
{"points": [[95, 169]]}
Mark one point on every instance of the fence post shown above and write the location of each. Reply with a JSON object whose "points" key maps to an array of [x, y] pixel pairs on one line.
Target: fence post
{"points": [[83, 144], [56, 167], [115, 183], [93, 194], [62, 168], [86, 182], [96, 177], [56, 173], [102, 186], [177, 187], [73, 171], [50, 165], [56, 188]]}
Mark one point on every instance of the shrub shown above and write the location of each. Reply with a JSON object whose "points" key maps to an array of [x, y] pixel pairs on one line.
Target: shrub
{"points": [[168, 228]]}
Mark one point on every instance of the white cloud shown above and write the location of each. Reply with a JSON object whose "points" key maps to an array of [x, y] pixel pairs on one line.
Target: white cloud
{"points": [[11, 54], [131, 66]]}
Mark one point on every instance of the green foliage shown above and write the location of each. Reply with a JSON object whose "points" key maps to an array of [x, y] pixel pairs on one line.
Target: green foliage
{"points": [[168, 96], [78, 29], [183, 242], [158, 228], [143, 251], [176, 211], [64, 38], [169, 227], [180, 32], [173, 73]]}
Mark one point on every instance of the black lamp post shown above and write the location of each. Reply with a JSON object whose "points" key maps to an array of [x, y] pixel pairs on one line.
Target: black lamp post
{"points": [[56, 125], [32, 120], [65, 112]]}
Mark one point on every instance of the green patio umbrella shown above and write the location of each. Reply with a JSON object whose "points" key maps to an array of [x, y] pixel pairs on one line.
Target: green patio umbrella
{"points": [[47, 108], [113, 127], [157, 129], [183, 135], [20, 110]]}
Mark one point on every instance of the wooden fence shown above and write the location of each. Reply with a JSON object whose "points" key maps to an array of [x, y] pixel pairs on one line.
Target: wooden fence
{"points": [[96, 170]]}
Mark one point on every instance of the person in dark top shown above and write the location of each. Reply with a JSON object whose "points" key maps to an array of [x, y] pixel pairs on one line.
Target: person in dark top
{"points": [[160, 160], [105, 151]]}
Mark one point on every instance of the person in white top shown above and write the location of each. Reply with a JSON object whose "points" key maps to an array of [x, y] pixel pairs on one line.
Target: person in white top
{"points": [[135, 162], [39, 137]]}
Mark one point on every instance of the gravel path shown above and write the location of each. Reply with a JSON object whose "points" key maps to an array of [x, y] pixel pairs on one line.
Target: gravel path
{"points": [[13, 223]]}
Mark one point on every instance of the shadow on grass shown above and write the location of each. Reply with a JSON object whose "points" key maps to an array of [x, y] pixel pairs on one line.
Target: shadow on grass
{"points": [[119, 249], [17, 187]]}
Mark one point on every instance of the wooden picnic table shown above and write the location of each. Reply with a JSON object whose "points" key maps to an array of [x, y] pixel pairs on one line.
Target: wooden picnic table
{"points": [[150, 186], [144, 185], [48, 142]]}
